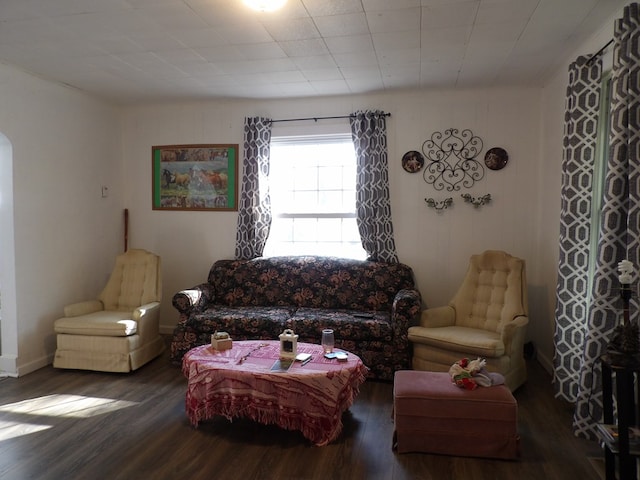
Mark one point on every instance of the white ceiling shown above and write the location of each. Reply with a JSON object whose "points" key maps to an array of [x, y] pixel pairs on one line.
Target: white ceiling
{"points": [[147, 50]]}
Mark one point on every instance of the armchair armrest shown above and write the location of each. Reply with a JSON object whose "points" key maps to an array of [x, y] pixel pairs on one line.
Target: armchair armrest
{"points": [[444, 316], [148, 318], [145, 310], [513, 334], [194, 298], [83, 308]]}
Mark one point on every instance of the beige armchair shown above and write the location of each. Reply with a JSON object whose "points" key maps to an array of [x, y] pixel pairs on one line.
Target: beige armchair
{"points": [[486, 318], [119, 331]]}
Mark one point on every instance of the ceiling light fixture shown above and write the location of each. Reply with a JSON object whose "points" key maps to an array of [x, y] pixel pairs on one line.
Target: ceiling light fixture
{"points": [[265, 5]]}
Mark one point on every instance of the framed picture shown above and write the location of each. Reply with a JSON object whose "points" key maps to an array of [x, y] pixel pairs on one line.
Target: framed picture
{"points": [[195, 177]]}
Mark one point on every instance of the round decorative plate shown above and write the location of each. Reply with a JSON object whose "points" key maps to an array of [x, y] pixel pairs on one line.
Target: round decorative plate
{"points": [[496, 158], [412, 161]]}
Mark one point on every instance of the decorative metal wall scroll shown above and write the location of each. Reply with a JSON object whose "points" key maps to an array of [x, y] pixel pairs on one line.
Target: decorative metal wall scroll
{"points": [[476, 201], [452, 159], [440, 204]]}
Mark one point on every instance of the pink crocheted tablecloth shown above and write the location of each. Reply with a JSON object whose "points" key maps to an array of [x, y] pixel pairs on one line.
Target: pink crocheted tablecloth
{"points": [[240, 383]]}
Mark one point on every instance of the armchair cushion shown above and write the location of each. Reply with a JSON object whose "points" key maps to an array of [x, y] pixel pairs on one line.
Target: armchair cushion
{"points": [[471, 340], [104, 323]]}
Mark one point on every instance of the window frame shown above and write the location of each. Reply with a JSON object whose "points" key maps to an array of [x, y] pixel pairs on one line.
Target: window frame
{"points": [[348, 248]]}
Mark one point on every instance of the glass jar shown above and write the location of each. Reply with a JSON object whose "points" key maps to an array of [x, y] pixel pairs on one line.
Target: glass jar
{"points": [[327, 340]]}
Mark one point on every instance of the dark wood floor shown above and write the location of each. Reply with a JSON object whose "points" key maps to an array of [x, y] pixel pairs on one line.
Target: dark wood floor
{"points": [[60, 424]]}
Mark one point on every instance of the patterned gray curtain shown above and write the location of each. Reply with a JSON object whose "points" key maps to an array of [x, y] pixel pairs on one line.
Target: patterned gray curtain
{"points": [[619, 229], [254, 215], [373, 207], [579, 153]]}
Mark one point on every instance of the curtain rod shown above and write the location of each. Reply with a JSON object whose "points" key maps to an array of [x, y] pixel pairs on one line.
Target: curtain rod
{"points": [[315, 119], [595, 55]]}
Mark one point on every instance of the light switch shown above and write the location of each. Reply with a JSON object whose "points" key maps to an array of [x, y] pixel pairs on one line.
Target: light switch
{"points": [[105, 191]]}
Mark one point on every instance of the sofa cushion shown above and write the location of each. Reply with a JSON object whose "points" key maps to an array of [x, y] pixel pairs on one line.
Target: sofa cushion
{"points": [[348, 324], [471, 340], [242, 322]]}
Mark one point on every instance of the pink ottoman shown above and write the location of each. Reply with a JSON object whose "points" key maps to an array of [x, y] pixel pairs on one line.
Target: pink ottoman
{"points": [[433, 415]]}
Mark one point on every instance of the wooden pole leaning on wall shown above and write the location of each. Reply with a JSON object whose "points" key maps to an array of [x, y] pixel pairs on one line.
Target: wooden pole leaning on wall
{"points": [[126, 229]]}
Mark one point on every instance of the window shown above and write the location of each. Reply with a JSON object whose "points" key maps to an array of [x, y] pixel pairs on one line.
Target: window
{"points": [[313, 197]]}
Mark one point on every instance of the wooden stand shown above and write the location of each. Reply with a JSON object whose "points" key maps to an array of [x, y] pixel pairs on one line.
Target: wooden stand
{"points": [[626, 374]]}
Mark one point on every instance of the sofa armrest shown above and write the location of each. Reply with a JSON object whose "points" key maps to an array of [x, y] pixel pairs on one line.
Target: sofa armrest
{"points": [[436, 317], [83, 308], [406, 307], [194, 298], [513, 333]]}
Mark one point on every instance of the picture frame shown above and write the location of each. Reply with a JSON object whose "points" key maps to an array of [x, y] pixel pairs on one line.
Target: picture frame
{"points": [[199, 177]]}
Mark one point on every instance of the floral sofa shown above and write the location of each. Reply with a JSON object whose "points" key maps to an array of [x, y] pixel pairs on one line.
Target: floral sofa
{"points": [[369, 305]]}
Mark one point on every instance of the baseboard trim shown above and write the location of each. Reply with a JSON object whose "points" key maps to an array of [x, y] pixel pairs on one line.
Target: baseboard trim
{"points": [[546, 363], [34, 365], [167, 329], [9, 365]]}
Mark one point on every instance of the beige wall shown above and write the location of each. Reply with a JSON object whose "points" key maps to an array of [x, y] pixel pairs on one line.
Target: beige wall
{"points": [[59, 235], [437, 246]]}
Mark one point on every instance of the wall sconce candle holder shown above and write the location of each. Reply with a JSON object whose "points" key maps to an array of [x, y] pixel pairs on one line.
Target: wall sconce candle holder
{"points": [[476, 201], [439, 205]]}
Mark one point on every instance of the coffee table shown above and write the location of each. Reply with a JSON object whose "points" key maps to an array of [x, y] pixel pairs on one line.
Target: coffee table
{"points": [[240, 382]]}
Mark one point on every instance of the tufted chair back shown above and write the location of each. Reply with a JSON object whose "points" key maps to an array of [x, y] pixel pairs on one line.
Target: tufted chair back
{"points": [[134, 281], [493, 292]]}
